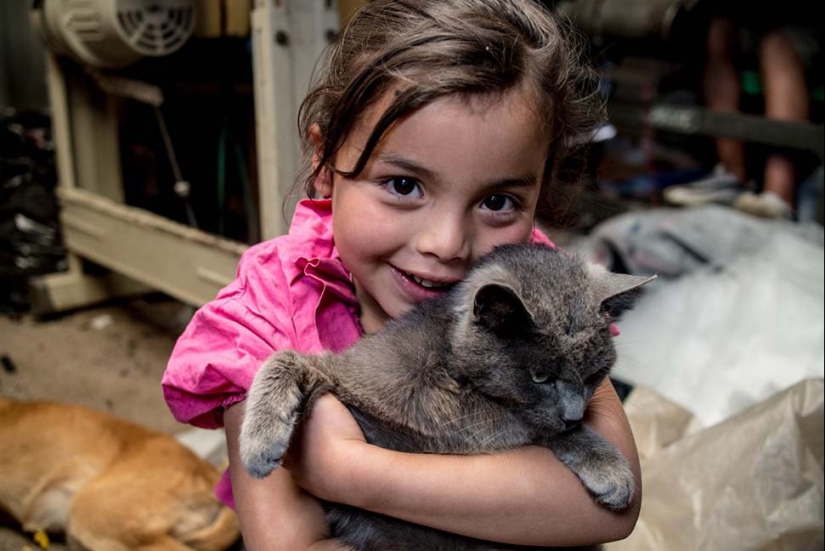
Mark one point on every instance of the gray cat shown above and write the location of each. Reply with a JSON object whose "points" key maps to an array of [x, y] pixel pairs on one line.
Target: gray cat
{"points": [[508, 357]]}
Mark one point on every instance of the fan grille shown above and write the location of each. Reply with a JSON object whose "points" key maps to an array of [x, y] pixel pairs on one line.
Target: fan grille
{"points": [[157, 29]]}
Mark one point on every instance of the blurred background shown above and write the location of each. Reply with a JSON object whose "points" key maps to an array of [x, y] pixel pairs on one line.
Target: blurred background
{"points": [[144, 145]]}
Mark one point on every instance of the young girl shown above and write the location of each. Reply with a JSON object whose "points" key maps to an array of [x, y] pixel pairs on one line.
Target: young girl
{"points": [[433, 133]]}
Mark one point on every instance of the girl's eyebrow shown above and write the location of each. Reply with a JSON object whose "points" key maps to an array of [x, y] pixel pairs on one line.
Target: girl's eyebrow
{"points": [[525, 181], [408, 165]]}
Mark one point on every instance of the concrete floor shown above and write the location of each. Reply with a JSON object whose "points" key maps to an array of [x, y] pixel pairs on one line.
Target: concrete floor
{"points": [[110, 358]]}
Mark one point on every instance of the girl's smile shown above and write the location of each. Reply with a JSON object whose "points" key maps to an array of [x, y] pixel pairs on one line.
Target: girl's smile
{"points": [[417, 289]]}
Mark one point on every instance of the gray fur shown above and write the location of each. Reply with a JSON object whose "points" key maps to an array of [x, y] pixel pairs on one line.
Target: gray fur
{"points": [[508, 357]]}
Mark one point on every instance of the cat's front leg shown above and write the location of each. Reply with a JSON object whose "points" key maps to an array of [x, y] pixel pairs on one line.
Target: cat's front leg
{"points": [[273, 405], [598, 464]]}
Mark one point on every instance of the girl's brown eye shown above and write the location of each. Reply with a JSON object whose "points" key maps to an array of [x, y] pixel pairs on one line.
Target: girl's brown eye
{"points": [[403, 186], [497, 202]]}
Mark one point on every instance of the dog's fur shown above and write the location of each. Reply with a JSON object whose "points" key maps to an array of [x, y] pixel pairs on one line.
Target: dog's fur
{"points": [[507, 358], [107, 484]]}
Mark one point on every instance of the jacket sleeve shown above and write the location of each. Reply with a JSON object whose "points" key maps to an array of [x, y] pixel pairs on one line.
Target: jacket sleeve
{"points": [[216, 358]]}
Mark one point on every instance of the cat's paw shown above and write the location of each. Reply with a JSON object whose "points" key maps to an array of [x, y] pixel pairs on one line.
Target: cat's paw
{"points": [[598, 464], [262, 449], [272, 409], [612, 483]]}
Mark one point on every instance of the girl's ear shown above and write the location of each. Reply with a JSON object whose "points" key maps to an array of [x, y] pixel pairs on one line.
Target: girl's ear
{"points": [[323, 182]]}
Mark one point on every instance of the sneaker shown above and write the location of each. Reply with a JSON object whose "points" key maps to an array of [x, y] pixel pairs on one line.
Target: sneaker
{"points": [[720, 187], [764, 205]]}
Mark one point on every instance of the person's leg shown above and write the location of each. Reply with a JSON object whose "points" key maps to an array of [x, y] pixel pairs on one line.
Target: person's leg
{"points": [[720, 83], [722, 89], [786, 98]]}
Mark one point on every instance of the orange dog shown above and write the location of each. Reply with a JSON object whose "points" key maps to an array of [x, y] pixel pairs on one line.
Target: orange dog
{"points": [[108, 484]]}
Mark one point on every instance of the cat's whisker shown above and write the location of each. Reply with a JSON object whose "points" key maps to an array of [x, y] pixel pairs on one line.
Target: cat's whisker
{"points": [[480, 423], [491, 438], [659, 340], [493, 421], [467, 416], [473, 436]]}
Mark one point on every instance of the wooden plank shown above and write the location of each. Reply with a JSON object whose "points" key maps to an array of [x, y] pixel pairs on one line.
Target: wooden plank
{"points": [[183, 262], [72, 289]]}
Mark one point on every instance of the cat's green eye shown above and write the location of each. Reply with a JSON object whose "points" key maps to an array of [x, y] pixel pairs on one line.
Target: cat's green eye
{"points": [[538, 377]]}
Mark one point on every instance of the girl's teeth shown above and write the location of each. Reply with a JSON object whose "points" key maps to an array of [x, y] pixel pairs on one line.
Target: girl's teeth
{"points": [[427, 283]]}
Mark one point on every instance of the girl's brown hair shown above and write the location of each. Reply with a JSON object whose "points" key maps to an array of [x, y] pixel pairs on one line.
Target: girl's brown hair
{"points": [[427, 49]]}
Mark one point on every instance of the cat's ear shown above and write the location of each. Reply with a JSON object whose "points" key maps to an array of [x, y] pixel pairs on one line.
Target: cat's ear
{"points": [[616, 293], [499, 308]]}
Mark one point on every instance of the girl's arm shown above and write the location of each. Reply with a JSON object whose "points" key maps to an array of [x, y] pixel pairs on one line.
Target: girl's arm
{"points": [[521, 497], [275, 514]]}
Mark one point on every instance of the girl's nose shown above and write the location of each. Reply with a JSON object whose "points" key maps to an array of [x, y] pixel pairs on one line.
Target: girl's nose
{"points": [[445, 237]]}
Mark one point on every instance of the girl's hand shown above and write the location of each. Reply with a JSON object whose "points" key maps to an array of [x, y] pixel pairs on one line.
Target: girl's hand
{"points": [[322, 451]]}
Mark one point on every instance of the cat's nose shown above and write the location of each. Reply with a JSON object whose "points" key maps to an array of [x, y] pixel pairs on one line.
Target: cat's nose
{"points": [[570, 423]]}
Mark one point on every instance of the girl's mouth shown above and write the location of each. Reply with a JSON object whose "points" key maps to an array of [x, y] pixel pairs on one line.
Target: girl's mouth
{"points": [[428, 284], [418, 288]]}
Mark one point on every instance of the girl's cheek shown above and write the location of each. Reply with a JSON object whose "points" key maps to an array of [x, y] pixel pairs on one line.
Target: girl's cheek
{"points": [[517, 233]]}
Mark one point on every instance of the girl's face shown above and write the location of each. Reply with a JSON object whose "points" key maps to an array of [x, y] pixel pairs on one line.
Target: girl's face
{"points": [[445, 185]]}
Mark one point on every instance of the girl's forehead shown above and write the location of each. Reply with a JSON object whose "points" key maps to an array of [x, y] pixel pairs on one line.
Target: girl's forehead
{"points": [[493, 110], [458, 140]]}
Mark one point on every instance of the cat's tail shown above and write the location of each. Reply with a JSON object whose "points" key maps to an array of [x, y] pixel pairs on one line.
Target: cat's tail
{"points": [[218, 536]]}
